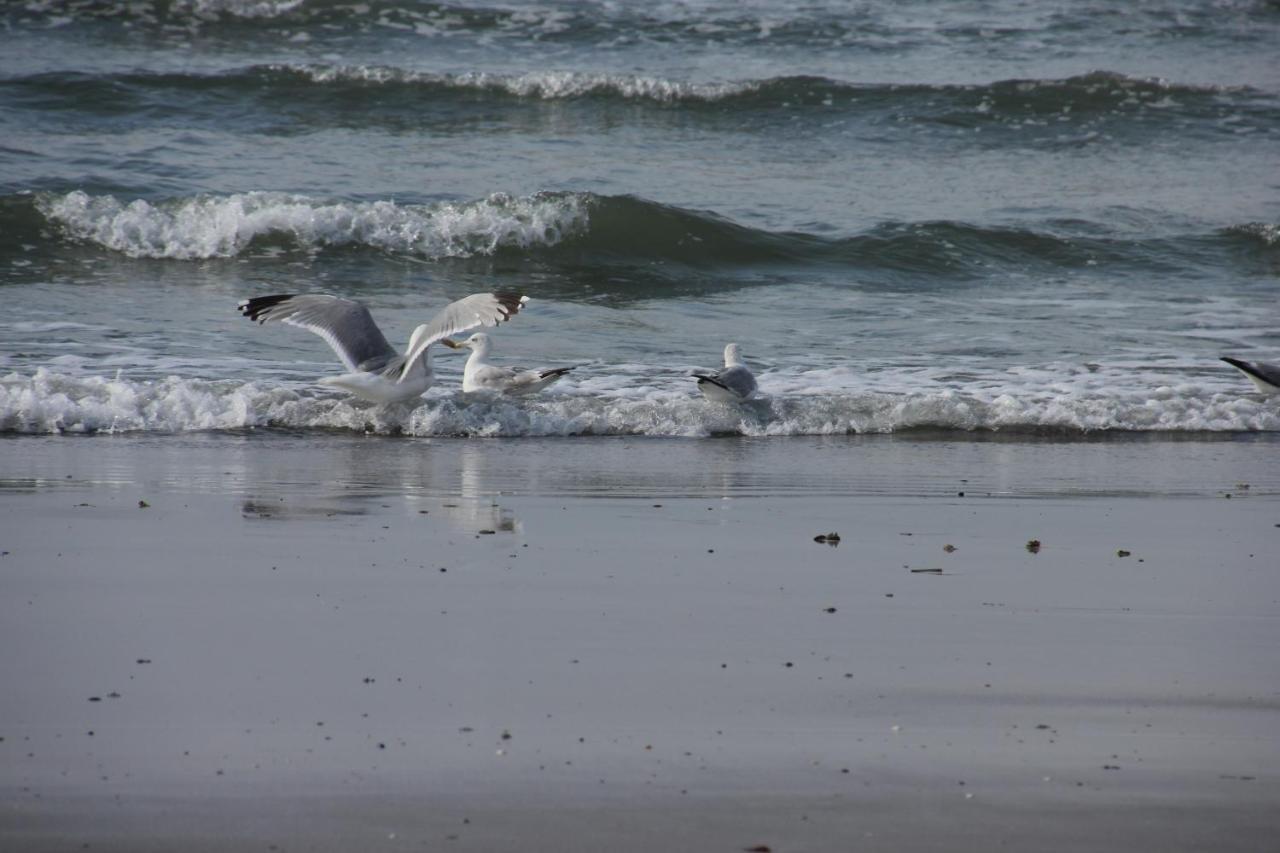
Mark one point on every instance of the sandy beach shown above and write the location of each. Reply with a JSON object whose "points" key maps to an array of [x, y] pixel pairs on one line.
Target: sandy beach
{"points": [[300, 642]]}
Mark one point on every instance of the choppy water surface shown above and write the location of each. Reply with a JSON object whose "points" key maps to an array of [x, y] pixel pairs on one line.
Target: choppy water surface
{"points": [[958, 216]]}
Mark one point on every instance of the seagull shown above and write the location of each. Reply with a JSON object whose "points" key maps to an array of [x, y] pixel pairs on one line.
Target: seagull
{"points": [[480, 375], [1265, 376], [733, 384], [376, 371]]}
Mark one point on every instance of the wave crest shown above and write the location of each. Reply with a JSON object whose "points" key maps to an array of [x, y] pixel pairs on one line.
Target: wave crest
{"points": [[1265, 233], [212, 227], [1096, 92], [541, 85], [568, 226]]}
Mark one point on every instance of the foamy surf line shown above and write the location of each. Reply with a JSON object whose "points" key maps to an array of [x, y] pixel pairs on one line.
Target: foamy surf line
{"points": [[52, 403], [541, 85], [224, 226]]}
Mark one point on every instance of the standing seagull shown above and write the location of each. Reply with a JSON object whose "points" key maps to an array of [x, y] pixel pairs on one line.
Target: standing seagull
{"points": [[480, 375], [731, 385], [1265, 376], [377, 372]]}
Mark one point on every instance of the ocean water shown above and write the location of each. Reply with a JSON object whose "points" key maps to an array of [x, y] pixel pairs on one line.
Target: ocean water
{"points": [[956, 216]]}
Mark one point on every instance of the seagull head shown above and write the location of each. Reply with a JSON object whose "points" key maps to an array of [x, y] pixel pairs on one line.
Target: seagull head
{"points": [[479, 342]]}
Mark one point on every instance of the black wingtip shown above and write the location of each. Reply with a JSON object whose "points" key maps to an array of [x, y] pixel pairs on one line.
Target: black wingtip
{"points": [[511, 302], [1247, 368], [255, 306], [1243, 366], [558, 371], [711, 380]]}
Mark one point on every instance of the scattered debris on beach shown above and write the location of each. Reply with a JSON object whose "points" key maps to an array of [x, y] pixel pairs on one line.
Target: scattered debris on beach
{"points": [[926, 571], [1033, 546], [1123, 553], [832, 539], [949, 548], [143, 504]]}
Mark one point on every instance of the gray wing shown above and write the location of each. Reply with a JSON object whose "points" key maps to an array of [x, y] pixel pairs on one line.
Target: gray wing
{"points": [[737, 379], [345, 325], [1259, 371], [478, 309]]}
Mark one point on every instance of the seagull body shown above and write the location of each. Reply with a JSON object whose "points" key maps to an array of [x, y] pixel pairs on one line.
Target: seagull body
{"points": [[733, 384], [480, 375], [1265, 376], [376, 372]]}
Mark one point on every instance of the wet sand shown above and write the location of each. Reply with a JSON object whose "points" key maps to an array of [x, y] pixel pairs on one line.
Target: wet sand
{"points": [[329, 643]]}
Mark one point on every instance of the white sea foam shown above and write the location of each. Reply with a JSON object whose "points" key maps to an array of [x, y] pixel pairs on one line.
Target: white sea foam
{"points": [[53, 402], [543, 85], [1268, 233], [223, 226], [206, 9]]}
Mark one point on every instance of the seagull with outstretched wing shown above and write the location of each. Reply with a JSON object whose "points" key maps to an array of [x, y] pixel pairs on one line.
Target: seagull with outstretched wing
{"points": [[376, 371]]}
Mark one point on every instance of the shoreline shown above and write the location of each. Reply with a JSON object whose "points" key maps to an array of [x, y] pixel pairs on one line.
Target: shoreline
{"points": [[934, 464]]}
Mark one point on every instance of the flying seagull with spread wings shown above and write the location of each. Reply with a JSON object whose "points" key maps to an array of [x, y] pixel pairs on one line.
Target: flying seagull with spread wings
{"points": [[481, 375], [376, 371], [733, 384]]}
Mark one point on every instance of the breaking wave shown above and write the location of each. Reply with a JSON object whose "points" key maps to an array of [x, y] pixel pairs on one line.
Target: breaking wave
{"points": [[49, 403], [1095, 92], [224, 226], [539, 85], [576, 227]]}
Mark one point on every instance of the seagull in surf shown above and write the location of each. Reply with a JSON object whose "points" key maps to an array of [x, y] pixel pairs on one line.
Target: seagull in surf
{"points": [[480, 375], [376, 372], [1265, 376], [733, 384]]}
